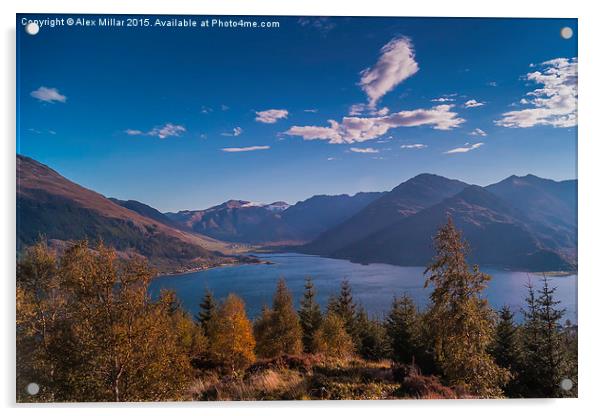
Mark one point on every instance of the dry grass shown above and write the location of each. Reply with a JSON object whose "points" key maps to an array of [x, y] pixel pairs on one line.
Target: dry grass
{"points": [[316, 378]]}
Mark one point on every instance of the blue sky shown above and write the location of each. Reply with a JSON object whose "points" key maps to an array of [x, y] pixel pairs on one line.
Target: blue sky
{"points": [[188, 118]]}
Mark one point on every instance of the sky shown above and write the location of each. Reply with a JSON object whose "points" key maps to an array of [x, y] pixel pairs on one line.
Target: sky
{"points": [[187, 118]]}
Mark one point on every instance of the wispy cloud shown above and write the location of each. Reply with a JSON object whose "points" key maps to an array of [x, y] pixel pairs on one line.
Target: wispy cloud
{"points": [[270, 116], [465, 148], [364, 150], [48, 95], [311, 110], [361, 109], [236, 131], [162, 132], [361, 129], [444, 99], [206, 110], [473, 103], [555, 103], [244, 149], [414, 146], [478, 132], [395, 64], [322, 24]]}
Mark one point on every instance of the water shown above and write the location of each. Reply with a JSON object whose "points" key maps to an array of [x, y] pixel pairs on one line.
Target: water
{"points": [[373, 285]]}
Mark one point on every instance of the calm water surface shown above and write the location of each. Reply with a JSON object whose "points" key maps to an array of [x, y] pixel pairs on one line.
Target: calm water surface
{"points": [[373, 285]]}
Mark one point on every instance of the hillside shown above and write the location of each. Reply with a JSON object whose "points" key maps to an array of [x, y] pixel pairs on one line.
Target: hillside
{"points": [[275, 223], [50, 205], [550, 206], [404, 200], [498, 234]]}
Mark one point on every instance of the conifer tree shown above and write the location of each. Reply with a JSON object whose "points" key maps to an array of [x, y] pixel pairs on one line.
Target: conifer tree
{"points": [[231, 340], [402, 325], [373, 342], [545, 357], [208, 309], [506, 348], [310, 316], [344, 306], [462, 322], [278, 330]]}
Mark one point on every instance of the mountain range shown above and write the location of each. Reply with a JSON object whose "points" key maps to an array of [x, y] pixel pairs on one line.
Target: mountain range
{"points": [[526, 223]]}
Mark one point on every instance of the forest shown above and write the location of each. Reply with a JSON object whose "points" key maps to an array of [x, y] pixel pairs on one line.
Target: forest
{"points": [[87, 330]]}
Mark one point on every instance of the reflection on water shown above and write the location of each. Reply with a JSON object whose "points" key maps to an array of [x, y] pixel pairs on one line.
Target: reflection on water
{"points": [[373, 285]]}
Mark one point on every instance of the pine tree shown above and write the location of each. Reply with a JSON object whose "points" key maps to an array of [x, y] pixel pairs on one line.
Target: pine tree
{"points": [[208, 309], [402, 325], [506, 348], [278, 331], [344, 306], [310, 316], [462, 322], [231, 340], [545, 356], [373, 342]]}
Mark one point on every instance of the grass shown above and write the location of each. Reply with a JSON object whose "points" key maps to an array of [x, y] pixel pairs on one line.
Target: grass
{"points": [[313, 377]]}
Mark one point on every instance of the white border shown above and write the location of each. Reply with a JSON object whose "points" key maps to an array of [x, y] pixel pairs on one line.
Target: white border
{"points": [[590, 179]]}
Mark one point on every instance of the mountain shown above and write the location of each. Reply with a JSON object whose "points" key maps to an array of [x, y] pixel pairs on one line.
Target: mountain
{"points": [[50, 205], [498, 235], [550, 206], [238, 221], [405, 200], [275, 223], [146, 211], [319, 213]]}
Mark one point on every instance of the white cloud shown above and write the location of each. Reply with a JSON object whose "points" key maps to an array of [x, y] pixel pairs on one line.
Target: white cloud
{"points": [[364, 150], [236, 131], [331, 159], [466, 148], [492, 83], [473, 103], [206, 110], [395, 64], [48, 95], [167, 130], [224, 107], [360, 109], [162, 132], [311, 110], [443, 100], [414, 146], [555, 103], [361, 129], [270, 116], [478, 132], [244, 149], [134, 132]]}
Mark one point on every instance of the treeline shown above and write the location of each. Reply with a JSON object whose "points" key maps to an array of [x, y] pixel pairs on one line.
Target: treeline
{"points": [[87, 330]]}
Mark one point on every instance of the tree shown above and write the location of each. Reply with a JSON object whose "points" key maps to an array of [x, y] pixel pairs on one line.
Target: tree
{"points": [[332, 339], [545, 359], [506, 348], [278, 330], [344, 306], [402, 325], [208, 309], [88, 331], [462, 322], [373, 342], [231, 340], [310, 316]]}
